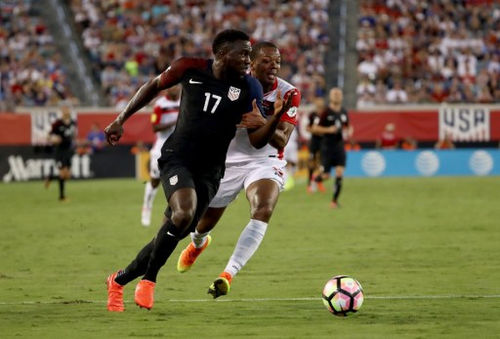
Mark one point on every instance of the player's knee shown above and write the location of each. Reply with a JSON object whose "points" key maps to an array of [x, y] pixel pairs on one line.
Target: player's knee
{"points": [[263, 212], [183, 217]]}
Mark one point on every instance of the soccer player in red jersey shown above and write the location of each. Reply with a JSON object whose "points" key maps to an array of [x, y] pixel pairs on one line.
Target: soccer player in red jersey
{"points": [[260, 172], [314, 146]]}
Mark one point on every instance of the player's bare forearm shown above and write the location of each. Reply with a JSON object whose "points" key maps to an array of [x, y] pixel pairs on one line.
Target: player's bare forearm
{"points": [[142, 97], [321, 130], [281, 135], [261, 136]]}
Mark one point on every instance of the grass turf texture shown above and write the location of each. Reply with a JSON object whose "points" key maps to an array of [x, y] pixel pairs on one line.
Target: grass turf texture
{"points": [[415, 237]]}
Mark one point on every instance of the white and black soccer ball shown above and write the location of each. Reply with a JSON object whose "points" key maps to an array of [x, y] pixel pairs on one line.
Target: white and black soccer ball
{"points": [[343, 295]]}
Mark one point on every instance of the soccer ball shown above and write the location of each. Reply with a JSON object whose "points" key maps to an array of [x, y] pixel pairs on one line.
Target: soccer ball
{"points": [[342, 295]]}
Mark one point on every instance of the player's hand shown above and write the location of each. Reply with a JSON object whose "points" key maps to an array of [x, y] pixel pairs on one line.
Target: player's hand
{"points": [[282, 105], [252, 119], [113, 132]]}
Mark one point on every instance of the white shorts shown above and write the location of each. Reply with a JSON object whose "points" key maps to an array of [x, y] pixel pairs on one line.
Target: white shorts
{"points": [[154, 170], [238, 177]]}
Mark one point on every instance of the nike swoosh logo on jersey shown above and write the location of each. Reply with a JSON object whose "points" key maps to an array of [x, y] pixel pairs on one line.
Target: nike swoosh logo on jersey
{"points": [[191, 81]]}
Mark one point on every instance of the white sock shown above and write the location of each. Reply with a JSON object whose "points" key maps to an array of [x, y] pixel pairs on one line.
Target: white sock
{"points": [[149, 195], [250, 239], [199, 238]]}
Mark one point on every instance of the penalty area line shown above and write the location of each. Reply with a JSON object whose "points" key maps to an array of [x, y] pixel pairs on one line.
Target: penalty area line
{"points": [[375, 297]]}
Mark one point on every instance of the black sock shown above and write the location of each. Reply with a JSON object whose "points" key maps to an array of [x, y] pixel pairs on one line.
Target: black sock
{"points": [[61, 189], [319, 178], [137, 267], [50, 177], [164, 244], [337, 188]]}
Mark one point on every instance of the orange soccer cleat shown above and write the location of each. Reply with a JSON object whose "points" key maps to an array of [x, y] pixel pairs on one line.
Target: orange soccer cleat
{"points": [[145, 294], [115, 294], [189, 254], [321, 187], [221, 285]]}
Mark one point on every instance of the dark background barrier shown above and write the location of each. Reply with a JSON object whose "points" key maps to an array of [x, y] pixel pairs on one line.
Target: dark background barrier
{"points": [[22, 163]]}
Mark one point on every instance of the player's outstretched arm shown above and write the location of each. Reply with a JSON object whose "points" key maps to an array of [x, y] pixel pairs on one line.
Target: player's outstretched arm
{"points": [[142, 97], [170, 77], [261, 136]]}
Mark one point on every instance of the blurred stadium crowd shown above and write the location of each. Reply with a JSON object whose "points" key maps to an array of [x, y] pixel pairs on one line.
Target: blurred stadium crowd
{"points": [[428, 51], [30, 65], [409, 51], [129, 41]]}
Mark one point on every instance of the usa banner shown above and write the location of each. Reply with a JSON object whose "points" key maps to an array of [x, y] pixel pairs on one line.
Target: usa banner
{"points": [[464, 123], [41, 123]]}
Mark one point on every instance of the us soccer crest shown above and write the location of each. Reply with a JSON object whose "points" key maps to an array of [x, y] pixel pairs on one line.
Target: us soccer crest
{"points": [[173, 180], [234, 93]]}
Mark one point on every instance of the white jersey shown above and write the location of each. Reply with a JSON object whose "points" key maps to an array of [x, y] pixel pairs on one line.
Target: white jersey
{"points": [[165, 111], [241, 150]]}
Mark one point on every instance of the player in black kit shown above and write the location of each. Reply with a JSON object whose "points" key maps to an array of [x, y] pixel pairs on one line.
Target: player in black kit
{"points": [[62, 136], [314, 143], [332, 125], [215, 95]]}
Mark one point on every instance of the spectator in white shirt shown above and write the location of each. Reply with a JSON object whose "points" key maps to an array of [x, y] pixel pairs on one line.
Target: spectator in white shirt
{"points": [[396, 94]]}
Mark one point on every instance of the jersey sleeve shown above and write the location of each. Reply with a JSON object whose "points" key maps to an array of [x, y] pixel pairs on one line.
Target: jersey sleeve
{"points": [[256, 93], [175, 72], [290, 116]]}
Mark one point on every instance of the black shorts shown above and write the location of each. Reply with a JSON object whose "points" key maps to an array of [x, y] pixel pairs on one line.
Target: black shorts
{"points": [[63, 158], [332, 158], [175, 174]]}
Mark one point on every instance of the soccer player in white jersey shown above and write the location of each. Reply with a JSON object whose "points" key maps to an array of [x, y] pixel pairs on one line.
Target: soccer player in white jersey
{"points": [[260, 172], [164, 118]]}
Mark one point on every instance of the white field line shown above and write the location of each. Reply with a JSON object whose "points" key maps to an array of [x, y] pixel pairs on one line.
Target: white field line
{"points": [[382, 297]]}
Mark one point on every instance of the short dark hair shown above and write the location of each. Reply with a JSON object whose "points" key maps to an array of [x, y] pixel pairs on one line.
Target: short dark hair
{"points": [[260, 45], [227, 36]]}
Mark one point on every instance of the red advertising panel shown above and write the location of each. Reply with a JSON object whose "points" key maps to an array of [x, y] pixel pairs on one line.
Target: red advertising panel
{"points": [[15, 129], [474, 123], [137, 128], [421, 126]]}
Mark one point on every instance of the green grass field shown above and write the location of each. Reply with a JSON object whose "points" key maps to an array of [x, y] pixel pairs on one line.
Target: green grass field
{"points": [[427, 251]]}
